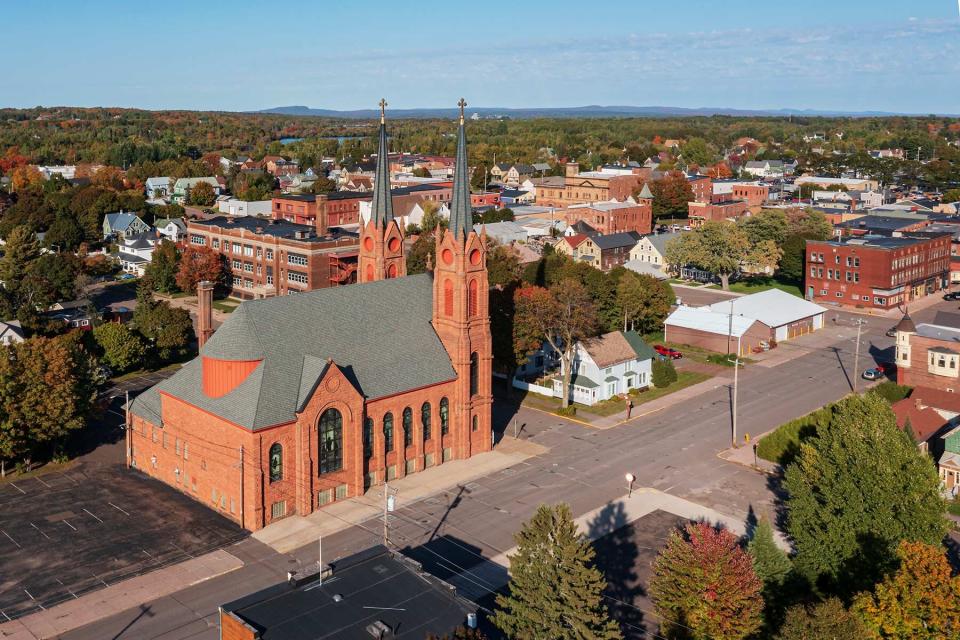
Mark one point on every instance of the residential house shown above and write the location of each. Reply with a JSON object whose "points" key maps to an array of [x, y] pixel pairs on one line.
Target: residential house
{"points": [[172, 229], [764, 168], [11, 332], [509, 197], [570, 245], [607, 366], [182, 187], [136, 252], [157, 188], [608, 251], [123, 224], [652, 249]]}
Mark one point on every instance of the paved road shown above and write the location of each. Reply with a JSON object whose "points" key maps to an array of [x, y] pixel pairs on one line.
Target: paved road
{"points": [[674, 450]]}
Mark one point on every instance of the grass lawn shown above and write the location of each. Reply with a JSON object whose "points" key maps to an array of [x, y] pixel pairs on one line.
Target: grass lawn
{"points": [[41, 469], [755, 285], [227, 305], [684, 379]]}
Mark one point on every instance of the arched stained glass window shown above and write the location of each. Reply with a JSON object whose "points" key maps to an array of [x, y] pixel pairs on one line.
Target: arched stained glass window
{"points": [[276, 462], [444, 416], [425, 420], [408, 427], [388, 431], [368, 438], [330, 441], [474, 373]]}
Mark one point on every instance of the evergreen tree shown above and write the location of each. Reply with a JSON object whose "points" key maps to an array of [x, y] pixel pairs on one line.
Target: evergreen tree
{"points": [[663, 373], [827, 620], [163, 267], [555, 591], [704, 586], [773, 567], [857, 489]]}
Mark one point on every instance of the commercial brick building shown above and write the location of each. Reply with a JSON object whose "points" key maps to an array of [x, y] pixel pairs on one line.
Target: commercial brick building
{"points": [[589, 186], [876, 271], [298, 209], [700, 212], [702, 187], [273, 257], [927, 354], [296, 402], [613, 217]]}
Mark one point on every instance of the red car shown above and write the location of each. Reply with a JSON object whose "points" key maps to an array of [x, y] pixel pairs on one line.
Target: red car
{"points": [[673, 354]]}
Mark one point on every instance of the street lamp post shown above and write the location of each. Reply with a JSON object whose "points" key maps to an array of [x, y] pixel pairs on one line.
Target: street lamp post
{"points": [[630, 479], [856, 357]]}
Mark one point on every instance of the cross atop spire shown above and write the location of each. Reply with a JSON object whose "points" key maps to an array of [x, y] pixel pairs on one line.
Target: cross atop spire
{"points": [[382, 205], [461, 213]]}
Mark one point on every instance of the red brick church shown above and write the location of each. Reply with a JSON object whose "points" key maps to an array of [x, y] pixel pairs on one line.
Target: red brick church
{"points": [[302, 400]]}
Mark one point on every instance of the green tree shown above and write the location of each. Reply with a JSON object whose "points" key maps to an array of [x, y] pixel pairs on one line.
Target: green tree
{"points": [[827, 620], [773, 567], [53, 277], [503, 266], [45, 393], [423, 249], [810, 223], [202, 194], [122, 348], [65, 234], [431, 216], [921, 601], [323, 185], [645, 301], [769, 224], [167, 329], [671, 194], [953, 195], [704, 586], [722, 249], [696, 151], [663, 373], [163, 267], [562, 315], [857, 488], [555, 591], [792, 260]]}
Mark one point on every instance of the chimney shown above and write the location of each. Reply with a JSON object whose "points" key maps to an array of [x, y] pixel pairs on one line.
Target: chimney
{"points": [[204, 311], [572, 169]]}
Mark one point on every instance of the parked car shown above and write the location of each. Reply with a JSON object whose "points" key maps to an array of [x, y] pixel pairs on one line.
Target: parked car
{"points": [[953, 295], [892, 332], [879, 371], [673, 354]]}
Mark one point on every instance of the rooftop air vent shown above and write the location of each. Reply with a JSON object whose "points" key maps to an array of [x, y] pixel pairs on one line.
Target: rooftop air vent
{"points": [[379, 630]]}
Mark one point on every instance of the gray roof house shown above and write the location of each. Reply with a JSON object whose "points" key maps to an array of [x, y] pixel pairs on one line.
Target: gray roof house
{"points": [[11, 332], [607, 366], [296, 336], [652, 250], [121, 225]]}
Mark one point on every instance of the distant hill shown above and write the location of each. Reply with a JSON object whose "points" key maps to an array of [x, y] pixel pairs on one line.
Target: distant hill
{"points": [[591, 111]]}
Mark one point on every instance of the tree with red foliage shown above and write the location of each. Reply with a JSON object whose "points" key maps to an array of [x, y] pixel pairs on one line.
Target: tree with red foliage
{"points": [[199, 263], [671, 194], [11, 160], [704, 586], [720, 171]]}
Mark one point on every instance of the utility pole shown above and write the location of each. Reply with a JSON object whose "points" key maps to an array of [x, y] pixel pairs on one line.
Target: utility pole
{"points": [[856, 357], [730, 328], [388, 502], [736, 370]]}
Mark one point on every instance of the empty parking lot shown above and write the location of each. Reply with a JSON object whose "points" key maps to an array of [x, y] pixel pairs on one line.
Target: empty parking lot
{"points": [[64, 534]]}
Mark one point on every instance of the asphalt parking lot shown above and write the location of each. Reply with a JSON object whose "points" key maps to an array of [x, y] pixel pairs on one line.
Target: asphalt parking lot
{"points": [[65, 534]]}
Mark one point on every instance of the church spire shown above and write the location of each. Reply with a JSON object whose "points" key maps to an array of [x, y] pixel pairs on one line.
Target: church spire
{"points": [[461, 213], [382, 206]]}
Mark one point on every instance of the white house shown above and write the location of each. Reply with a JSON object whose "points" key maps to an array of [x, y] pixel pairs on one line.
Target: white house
{"points": [[235, 207], [136, 252], [172, 229], [764, 168], [652, 250], [413, 215], [157, 188], [503, 232], [11, 332], [606, 366]]}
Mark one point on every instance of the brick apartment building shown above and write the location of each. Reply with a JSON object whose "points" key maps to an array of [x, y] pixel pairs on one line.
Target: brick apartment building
{"points": [[274, 257], [702, 187], [927, 354], [753, 194], [589, 186], [876, 271], [613, 217], [295, 208], [700, 212], [606, 251], [297, 402]]}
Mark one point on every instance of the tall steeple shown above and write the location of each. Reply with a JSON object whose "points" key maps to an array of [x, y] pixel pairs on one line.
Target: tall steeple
{"points": [[381, 238], [382, 210], [461, 315], [461, 213]]}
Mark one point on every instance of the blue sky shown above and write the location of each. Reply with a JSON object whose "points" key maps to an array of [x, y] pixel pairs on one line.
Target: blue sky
{"points": [[852, 55]]}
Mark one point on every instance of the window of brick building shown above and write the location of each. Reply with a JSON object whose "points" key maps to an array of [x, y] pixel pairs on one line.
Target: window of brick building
{"points": [[367, 438], [388, 432], [444, 416], [407, 427], [474, 374], [330, 441], [276, 462], [425, 420]]}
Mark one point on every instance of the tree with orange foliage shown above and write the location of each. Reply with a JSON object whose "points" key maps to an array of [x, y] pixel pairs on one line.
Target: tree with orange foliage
{"points": [[108, 178], [199, 263], [24, 177], [11, 160], [720, 171], [920, 601]]}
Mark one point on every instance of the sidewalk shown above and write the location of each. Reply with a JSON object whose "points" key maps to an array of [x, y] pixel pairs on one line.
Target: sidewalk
{"points": [[296, 531], [492, 574], [706, 287], [659, 404], [124, 595], [743, 455]]}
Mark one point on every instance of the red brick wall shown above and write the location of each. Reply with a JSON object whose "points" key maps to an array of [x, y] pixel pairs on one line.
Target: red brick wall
{"points": [[875, 271], [702, 188], [755, 195], [706, 212], [717, 342], [917, 374], [295, 210], [232, 628], [622, 187], [637, 218]]}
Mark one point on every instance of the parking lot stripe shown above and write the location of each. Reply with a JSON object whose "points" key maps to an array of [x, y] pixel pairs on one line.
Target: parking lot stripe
{"points": [[68, 478], [11, 539], [40, 530], [118, 509], [5, 615], [18, 488], [69, 525], [42, 482], [94, 517]]}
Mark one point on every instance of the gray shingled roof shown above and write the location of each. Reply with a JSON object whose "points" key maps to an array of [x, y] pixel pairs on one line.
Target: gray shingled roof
{"points": [[382, 207], [379, 333]]}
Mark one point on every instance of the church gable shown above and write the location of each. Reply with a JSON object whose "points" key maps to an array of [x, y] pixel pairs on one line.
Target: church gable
{"points": [[333, 388]]}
